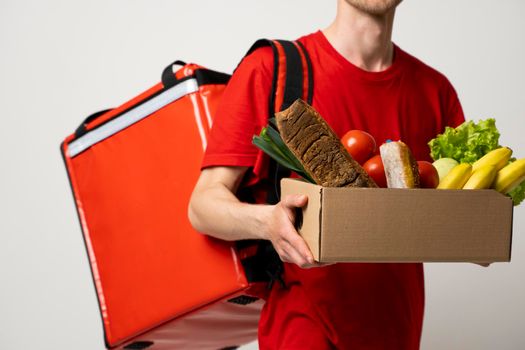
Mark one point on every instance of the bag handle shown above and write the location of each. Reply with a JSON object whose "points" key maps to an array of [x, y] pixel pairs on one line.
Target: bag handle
{"points": [[81, 130], [168, 77]]}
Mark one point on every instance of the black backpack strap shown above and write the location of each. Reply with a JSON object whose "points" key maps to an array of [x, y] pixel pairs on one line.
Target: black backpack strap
{"points": [[308, 73], [292, 73], [292, 79], [292, 88]]}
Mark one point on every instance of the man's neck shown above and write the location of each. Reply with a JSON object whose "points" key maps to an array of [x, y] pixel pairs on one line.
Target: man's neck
{"points": [[364, 40]]}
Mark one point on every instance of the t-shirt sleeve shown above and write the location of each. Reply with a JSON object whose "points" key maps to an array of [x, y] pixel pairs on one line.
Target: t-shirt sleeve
{"points": [[242, 113], [454, 112]]}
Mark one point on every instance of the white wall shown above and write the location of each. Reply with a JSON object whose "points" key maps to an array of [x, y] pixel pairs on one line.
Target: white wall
{"points": [[62, 60]]}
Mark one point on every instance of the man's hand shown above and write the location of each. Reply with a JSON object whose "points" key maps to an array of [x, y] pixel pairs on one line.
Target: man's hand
{"points": [[216, 211], [290, 246]]}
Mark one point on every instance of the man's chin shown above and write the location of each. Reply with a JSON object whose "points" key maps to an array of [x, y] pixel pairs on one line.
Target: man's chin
{"points": [[374, 7]]}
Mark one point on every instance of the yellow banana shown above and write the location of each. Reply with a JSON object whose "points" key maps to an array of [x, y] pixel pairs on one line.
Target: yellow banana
{"points": [[498, 157], [456, 178], [481, 178], [510, 176]]}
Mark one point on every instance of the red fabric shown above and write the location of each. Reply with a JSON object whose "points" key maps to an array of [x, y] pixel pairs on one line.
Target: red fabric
{"points": [[350, 306]]}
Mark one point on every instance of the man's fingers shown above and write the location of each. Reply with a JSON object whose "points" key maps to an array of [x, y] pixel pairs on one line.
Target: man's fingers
{"points": [[293, 256], [291, 202], [284, 255], [299, 245], [294, 201], [289, 244]]}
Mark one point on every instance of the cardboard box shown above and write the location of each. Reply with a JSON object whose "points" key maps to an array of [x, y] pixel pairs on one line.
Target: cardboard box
{"points": [[403, 225]]}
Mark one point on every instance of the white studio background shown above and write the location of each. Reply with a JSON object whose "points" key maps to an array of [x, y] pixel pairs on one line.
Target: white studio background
{"points": [[63, 60]]}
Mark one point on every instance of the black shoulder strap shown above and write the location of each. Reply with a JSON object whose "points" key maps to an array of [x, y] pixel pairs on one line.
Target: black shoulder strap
{"points": [[292, 79], [292, 73]]}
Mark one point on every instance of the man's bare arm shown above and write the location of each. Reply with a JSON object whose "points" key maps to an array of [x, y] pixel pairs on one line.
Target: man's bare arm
{"points": [[216, 211]]}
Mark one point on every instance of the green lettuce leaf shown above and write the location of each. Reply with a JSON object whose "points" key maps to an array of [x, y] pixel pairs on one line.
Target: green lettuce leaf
{"points": [[466, 143], [518, 194]]}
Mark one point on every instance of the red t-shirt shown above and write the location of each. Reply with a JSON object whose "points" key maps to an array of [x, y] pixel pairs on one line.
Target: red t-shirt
{"points": [[350, 306]]}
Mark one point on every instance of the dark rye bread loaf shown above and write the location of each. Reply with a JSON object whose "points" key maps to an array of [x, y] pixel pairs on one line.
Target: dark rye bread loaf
{"points": [[318, 148]]}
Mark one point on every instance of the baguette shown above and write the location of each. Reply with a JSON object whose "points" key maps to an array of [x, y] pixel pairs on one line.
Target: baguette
{"points": [[401, 168], [318, 148]]}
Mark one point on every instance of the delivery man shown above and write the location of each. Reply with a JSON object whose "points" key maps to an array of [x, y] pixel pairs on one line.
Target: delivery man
{"points": [[361, 81]]}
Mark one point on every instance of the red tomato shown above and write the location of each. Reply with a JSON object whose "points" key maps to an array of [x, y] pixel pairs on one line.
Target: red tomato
{"points": [[428, 175], [374, 167], [360, 144]]}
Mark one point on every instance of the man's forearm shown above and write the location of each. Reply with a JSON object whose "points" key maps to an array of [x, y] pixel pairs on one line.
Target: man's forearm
{"points": [[217, 212], [214, 210]]}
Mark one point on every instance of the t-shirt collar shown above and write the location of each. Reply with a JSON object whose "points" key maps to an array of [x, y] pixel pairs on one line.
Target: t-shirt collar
{"points": [[386, 74]]}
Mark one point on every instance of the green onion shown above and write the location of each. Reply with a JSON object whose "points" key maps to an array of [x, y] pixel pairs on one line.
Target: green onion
{"points": [[271, 143]]}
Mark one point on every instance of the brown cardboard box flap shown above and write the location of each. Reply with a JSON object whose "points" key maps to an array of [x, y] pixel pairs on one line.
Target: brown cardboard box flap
{"points": [[404, 225]]}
